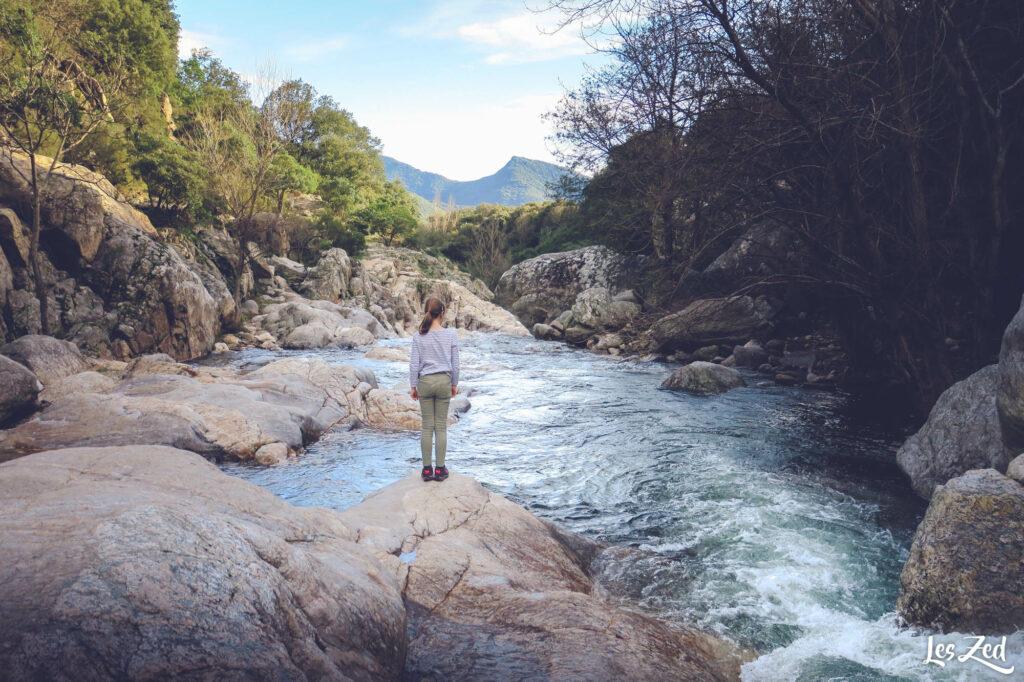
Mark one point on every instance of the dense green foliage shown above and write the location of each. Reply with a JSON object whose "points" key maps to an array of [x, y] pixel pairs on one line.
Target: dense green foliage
{"points": [[886, 136], [488, 239], [191, 136]]}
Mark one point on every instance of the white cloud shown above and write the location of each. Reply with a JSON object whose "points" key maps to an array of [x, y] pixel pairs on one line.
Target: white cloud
{"points": [[196, 40], [524, 38], [310, 52], [466, 140]]}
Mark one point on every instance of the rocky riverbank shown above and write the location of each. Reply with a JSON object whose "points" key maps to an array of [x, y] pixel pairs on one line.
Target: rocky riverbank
{"points": [[965, 571], [596, 298], [147, 562]]}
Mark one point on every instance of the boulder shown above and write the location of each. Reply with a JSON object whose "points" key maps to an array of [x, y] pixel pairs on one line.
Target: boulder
{"points": [[271, 454], [706, 353], [14, 241], [712, 321], [703, 377], [291, 401], [1010, 393], [351, 337], [397, 411], [764, 249], [961, 433], [1015, 470], [159, 303], [301, 323], [964, 571], [328, 280], [605, 341], [84, 382], [577, 335], [250, 307], [292, 271], [750, 355], [493, 592], [536, 307], [156, 363], [551, 282], [389, 353], [594, 308], [49, 359], [545, 332], [75, 204], [19, 389], [393, 284], [148, 562]]}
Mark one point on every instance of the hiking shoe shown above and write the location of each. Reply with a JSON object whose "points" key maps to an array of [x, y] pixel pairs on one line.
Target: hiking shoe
{"points": [[428, 474], [440, 473]]}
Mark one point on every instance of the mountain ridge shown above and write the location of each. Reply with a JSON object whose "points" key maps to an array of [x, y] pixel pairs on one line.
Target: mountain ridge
{"points": [[519, 181]]}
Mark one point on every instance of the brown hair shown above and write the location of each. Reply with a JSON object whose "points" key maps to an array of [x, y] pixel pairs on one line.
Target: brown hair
{"points": [[434, 309]]}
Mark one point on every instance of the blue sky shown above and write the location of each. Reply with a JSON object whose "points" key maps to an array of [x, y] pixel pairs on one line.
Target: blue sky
{"points": [[450, 86]]}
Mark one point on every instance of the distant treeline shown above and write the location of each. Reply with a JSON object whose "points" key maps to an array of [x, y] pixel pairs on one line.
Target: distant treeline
{"points": [[886, 135]]}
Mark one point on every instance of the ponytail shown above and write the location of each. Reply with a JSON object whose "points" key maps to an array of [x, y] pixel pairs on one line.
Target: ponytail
{"points": [[434, 309]]}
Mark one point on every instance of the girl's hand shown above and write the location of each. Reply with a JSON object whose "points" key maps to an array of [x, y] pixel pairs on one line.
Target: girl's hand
{"points": [[414, 393], [453, 391]]}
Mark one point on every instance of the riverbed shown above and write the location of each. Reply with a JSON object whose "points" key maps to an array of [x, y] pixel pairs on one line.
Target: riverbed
{"points": [[774, 516]]}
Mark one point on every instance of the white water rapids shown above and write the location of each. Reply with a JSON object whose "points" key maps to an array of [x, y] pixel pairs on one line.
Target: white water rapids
{"points": [[773, 516]]}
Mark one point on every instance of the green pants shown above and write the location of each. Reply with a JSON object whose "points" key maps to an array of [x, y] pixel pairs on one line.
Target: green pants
{"points": [[435, 392]]}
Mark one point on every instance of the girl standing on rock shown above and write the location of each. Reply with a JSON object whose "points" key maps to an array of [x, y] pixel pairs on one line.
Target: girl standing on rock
{"points": [[434, 375]]}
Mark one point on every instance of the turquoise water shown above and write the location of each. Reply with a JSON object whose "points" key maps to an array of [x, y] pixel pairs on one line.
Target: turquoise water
{"points": [[773, 516]]}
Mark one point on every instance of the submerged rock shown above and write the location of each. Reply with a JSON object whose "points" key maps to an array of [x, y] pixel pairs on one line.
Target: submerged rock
{"points": [[493, 592], [962, 433], [703, 378], [149, 563], [965, 571]]}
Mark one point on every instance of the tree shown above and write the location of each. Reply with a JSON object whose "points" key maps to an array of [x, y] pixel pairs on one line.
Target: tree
{"points": [[878, 132], [174, 175], [239, 144], [51, 100], [287, 175], [345, 156], [392, 214]]}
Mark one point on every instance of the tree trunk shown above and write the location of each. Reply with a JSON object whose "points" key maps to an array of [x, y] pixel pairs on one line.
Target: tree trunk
{"points": [[243, 259], [37, 271]]}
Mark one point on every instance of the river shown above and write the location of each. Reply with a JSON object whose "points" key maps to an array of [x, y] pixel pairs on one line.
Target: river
{"points": [[774, 516]]}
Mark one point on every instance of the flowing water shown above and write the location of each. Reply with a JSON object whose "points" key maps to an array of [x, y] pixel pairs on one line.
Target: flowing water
{"points": [[773, 516]]}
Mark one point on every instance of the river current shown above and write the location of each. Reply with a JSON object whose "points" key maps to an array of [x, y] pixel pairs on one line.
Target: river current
{"points": [[774, 516]]}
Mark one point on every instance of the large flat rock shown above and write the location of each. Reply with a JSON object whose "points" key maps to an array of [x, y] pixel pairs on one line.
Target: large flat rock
{"points": [[148, 563], [291, 401], [495, 593]]}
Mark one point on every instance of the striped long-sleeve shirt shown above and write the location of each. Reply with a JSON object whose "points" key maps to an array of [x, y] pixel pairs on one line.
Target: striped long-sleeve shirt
{"points": [[434, 352]]}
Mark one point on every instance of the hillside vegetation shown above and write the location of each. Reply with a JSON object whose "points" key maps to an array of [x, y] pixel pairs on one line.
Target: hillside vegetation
{"points": [[518, 182]]}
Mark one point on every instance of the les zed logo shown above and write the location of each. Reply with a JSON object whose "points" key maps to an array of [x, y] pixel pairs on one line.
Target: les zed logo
{"points": [[980, 652]]}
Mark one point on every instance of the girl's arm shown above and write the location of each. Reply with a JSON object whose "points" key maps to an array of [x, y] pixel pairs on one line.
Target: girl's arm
{"points": [[455, 364]]}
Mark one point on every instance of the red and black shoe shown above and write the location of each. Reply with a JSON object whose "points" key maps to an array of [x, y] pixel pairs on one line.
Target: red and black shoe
{"points": [[428, 474], [440, 473]]}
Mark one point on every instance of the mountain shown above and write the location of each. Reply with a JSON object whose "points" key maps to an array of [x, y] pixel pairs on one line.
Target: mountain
{"points": [[519, 181]]}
